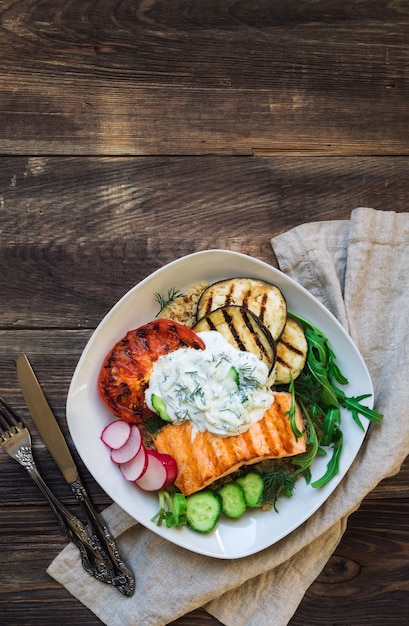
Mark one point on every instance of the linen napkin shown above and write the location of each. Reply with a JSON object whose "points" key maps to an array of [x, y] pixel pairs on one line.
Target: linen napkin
{"points": [[358, 268]]}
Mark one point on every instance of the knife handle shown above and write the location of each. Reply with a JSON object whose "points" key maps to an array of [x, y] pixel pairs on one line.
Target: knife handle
{"points": [[92, 560], [123, 578]]}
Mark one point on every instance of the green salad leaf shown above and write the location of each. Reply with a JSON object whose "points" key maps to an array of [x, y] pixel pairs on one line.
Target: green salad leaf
{"points": [[317, 390]]}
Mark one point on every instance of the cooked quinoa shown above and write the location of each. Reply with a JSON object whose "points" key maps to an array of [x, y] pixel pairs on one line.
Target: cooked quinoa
{"points": [[184, 308]]}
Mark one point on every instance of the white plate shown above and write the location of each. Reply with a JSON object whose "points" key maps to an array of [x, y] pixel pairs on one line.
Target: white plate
{"points": [[87, 415]]}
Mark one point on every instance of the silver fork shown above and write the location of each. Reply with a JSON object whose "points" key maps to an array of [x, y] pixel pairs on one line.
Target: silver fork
{"points": [[15, 439]]}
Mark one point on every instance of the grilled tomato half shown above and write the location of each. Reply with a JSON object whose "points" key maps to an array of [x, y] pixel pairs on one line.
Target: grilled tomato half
{"points": [[125, 373]]}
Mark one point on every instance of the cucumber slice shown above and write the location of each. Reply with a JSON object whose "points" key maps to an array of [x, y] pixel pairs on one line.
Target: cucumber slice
{"points": [[203, 510], [159, 405], [179, 509], [253, 486], [233, 500], [233, 376]]}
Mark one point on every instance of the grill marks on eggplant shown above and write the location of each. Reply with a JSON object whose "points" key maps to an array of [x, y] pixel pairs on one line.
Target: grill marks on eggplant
{"points": [[292, 351], [262, 298], [263, 302], [243, 330], [269, 349], [231, 327]]}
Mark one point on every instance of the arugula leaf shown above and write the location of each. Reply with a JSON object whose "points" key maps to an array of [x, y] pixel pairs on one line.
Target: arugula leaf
{"points": [[322, 366], [317, 391], [303, 461], [333, 465], [354, 405], [319, 359], [292, 410]]}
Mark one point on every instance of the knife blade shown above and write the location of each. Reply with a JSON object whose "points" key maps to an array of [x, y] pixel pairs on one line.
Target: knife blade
{"points": [[44, 419], [50, 432]]}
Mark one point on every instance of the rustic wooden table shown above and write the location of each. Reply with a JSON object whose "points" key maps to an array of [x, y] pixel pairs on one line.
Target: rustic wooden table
{"points": [[132, 133]]}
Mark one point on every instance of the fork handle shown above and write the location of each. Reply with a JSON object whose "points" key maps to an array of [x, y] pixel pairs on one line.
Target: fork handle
{"points": [[123, 577], [92, 560]]}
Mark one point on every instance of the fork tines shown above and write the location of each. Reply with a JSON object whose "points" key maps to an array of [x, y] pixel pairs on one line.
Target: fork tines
{"points": [[8, 418]]}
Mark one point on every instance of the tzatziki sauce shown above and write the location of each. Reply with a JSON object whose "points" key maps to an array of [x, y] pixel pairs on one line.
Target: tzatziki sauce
{"points": [[219, 389]]}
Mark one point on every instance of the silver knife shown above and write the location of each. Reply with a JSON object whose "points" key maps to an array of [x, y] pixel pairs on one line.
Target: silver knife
{"points": [[122, 578]]}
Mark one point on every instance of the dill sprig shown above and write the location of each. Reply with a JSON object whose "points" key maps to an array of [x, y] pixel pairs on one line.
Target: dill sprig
{"points": [[278, 481], [246, 378], [153, 424], [170, 297]]}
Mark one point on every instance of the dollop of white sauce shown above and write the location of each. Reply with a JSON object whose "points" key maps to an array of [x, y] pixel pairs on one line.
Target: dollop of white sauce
{"points": [[219, 389]]}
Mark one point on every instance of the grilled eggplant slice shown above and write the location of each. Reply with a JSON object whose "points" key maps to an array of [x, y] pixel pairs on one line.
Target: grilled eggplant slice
{"points": [[263, 299], [243, 330], [292, 351]]}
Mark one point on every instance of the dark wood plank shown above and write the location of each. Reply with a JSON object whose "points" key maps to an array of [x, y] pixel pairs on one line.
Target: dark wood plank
{"points": [[365, 581], [354, 579], [275, 80], [76, 233], [79, 233], [182, 77]]}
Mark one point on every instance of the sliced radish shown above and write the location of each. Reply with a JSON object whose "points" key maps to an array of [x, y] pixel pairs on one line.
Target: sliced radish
{"points": [[116, 434], [169, 464], [136, 467], [158, 471], [130, 449]]}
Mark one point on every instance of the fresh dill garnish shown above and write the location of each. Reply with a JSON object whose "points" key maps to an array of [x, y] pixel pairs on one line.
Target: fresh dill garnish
{"points": [[197, 392], [181, 392], [246, 378], [220, 359], [185, 394], [278, 481], [183, 415], [153, 424], [163, 301]]}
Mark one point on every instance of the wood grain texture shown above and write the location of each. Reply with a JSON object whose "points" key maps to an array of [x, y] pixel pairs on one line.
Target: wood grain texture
{"points": [[186, 77], [351, 589], [81, 232], [133, 132], [76, 234]]}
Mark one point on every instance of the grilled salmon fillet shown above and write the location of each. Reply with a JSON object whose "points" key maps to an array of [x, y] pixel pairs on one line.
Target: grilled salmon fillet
{"points": [[204, 457]]}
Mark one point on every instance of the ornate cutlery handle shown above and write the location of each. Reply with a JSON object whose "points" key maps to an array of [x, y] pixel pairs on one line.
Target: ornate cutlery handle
{"points": [[123, 578], [93, 559]]}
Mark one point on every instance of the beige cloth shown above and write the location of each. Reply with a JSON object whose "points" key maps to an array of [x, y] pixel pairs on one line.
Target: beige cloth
{"points": [[360, 270]]}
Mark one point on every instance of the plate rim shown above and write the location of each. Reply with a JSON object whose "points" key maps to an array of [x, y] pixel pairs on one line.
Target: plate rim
{"points": [[173, 535]]}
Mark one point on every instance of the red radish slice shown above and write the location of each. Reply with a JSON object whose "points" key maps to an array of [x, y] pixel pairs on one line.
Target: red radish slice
{"points": [[116, 434], [169, 464], [136, 467], [130, 449], [157, 472]]}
